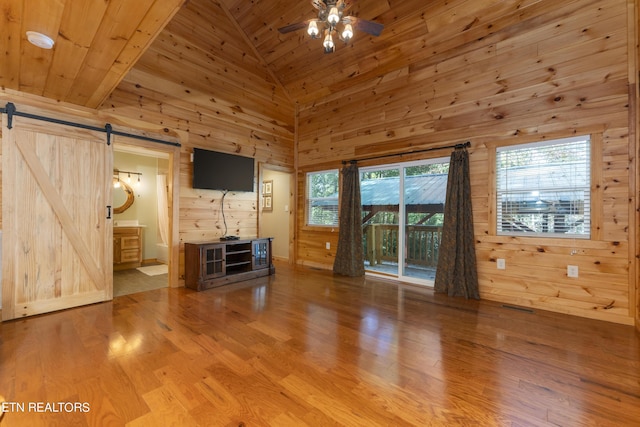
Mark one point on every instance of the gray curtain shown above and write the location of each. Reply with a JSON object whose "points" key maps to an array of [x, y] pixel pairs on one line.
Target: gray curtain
{"points": [[350, 253], [456, 274]]}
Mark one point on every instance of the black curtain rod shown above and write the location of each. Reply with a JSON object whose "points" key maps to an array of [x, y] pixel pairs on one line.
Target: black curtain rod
{"points": [[10, 111], [460, 145]]}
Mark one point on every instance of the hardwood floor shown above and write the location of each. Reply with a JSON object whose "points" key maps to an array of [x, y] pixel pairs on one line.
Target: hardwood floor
{"points": [[305, 347]]}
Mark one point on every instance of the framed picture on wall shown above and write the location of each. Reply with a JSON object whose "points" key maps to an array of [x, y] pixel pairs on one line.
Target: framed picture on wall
{"points": [[267, 196]]}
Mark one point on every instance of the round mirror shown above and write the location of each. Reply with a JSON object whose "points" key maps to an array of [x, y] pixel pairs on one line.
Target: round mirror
{"points": [[123, 197]]}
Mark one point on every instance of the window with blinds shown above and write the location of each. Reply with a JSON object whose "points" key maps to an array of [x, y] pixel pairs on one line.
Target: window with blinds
{"points": [[543, 188], [322, 198]]}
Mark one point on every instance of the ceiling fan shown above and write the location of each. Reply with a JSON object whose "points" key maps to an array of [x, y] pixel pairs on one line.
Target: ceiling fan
{"points": [[330, 16]]}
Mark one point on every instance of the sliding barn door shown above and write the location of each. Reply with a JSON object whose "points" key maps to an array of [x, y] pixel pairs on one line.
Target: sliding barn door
{"points": [[56, 236]]}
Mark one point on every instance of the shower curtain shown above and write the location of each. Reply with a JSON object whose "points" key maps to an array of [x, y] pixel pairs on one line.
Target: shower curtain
{"points": [[163, 209]]}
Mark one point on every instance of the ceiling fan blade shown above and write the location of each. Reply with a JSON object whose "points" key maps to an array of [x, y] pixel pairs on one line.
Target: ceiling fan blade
{"points": [[319, 4], [324, 4], [293, 27], [368, 27], [344, 4]]}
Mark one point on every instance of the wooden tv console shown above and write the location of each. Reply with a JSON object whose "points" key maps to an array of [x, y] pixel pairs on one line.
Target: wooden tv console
{"points": [[211, 264]]}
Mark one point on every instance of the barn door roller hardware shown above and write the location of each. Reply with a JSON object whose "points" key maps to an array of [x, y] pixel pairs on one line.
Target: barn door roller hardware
{"points": [[10, 111]]}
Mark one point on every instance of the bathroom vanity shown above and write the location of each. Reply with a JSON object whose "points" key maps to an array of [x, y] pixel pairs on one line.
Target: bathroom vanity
{"points": [[127, 247]]}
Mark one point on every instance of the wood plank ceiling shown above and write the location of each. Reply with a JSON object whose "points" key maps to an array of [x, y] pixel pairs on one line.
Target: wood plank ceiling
{"points": [[97, 42]]}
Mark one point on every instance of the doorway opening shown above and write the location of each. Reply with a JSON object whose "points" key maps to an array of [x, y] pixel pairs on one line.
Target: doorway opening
{"points": [[141, 231], [276, 203]]}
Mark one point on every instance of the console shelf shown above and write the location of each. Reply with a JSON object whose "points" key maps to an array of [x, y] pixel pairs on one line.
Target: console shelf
{"points": [[212, 264]]}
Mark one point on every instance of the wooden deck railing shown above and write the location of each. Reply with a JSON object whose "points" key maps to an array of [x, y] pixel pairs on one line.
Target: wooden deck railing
{"points": [[422, 243]]}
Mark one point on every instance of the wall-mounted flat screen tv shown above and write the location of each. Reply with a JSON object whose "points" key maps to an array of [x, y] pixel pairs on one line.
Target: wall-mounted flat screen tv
{"points": [[213, 170]]}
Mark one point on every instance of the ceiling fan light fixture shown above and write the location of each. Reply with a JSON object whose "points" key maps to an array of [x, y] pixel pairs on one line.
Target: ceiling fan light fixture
{"points": [[40, 40], [347, 33], [330, 21], [313, 30], [334, 16], [328, 43]]}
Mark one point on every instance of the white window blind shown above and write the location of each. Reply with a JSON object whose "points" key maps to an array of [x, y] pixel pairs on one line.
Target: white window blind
{"points": [[322, 198], [544, 188]]}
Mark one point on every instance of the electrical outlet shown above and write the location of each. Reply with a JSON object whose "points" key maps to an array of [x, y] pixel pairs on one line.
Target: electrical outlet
{"points": [[328, 245], [572, 271], [501, 264]]}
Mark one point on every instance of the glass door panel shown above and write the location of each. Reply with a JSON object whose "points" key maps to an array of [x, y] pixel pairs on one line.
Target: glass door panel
{"points": [[424, 191], [380, 194], [214, 256], [260, 254]]}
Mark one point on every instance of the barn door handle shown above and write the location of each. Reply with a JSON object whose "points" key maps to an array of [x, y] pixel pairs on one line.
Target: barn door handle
{"points": [[108, 212]]}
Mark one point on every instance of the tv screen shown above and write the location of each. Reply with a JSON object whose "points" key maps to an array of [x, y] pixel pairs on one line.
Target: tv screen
{"points": [[219, 171]]}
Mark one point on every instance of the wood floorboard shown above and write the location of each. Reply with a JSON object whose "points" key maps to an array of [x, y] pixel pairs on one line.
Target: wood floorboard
{"points": [[305, 347]]}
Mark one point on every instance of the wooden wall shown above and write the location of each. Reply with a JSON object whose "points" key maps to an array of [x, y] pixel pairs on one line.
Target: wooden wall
{"points": [[634, 139], [544, 70], [229, 104]]}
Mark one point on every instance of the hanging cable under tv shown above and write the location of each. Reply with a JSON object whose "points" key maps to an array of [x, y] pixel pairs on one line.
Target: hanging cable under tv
{"points": [[224, 220]]}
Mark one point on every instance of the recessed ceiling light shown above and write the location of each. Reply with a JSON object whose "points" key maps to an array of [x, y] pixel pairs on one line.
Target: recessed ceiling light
{"points": [[39, 39]]}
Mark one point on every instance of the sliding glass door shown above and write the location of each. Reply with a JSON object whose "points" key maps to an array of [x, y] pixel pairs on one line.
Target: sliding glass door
{"points": [[402, 207]]}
